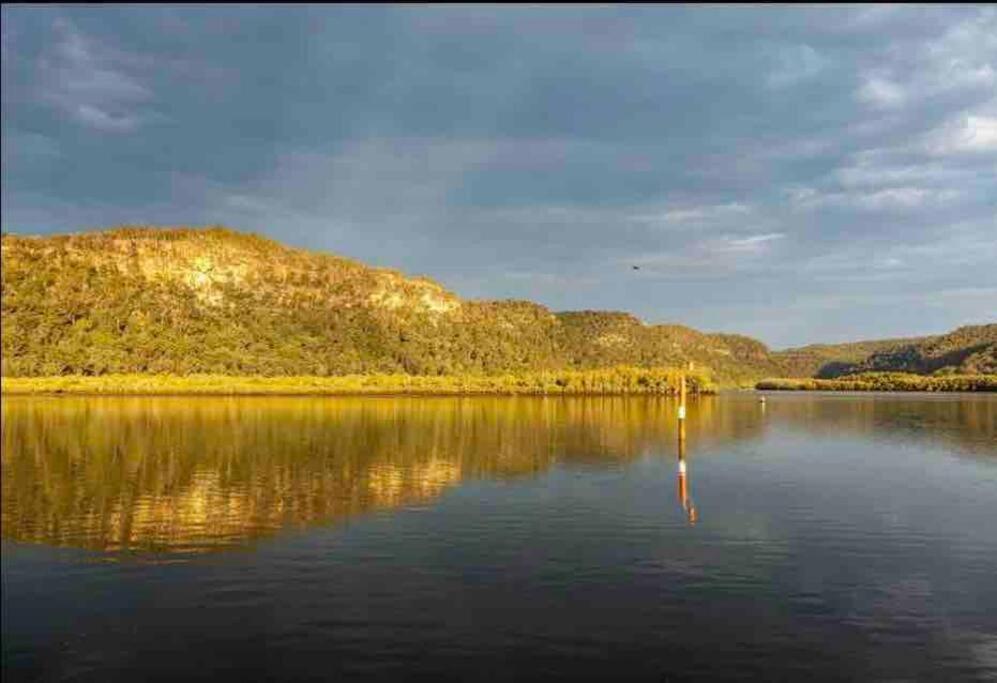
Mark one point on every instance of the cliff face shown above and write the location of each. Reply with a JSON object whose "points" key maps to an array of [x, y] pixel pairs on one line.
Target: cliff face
{"points": [[145, 300]]}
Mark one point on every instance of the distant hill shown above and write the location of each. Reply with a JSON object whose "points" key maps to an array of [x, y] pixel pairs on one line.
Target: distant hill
{"points": [[967, 350], [832, 360], [183, 301]]}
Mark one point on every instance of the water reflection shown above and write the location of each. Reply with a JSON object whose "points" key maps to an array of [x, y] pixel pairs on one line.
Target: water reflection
{"points": [[683, 481], [835, 537], [195, 474], [967, 424]]}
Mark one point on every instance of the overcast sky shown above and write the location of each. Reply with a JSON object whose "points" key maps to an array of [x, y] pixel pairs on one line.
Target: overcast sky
{"points": [[798, 175]]}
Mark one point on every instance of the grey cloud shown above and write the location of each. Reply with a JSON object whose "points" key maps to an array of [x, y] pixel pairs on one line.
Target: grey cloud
{"points": [[90, 83]]}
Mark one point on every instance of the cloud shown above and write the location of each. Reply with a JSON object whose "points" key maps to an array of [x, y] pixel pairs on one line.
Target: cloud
{"points": [[720, 255], [90, 83], [795, 64], [753, 244], [900, 198], [696, 215], [869, 170], [881, 91], [952, 255], [964, 134], [957, 63]]}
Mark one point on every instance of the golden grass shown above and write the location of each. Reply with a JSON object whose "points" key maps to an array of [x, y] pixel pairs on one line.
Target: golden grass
{"points": [[885, 381], [618, 380]]}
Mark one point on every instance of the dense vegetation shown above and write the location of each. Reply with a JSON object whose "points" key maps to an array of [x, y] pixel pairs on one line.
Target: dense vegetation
{"points": [[885, 381], [832, 360], [212, 301], [617, 380], [969, 350]]}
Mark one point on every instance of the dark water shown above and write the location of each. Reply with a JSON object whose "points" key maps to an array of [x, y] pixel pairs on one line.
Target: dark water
{"points": [[838, 537]]}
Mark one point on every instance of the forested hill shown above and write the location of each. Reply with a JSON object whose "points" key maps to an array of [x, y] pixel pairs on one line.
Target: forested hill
{"points": [[142, 300], [969, 350], [197, 301]]}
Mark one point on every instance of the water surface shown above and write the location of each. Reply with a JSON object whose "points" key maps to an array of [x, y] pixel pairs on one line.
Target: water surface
{"points": [[847, 537]]}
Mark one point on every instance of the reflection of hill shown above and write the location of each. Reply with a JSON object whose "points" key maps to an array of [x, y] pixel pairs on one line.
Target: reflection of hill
{"points": [[192, 474]]}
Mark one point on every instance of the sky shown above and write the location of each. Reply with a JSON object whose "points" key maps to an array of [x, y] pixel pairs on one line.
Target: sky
{"points": [[799, 175]]}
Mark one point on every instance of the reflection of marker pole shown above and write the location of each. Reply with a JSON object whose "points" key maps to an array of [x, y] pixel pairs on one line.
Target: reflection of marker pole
{"points": [[683, 480], [683, 483]]}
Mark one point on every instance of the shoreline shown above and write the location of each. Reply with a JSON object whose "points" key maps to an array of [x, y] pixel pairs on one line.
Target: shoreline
{"points": [[621, 381], [886, 381]]}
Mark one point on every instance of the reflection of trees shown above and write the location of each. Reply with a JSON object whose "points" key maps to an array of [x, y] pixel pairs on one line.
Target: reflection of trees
{"points": [[189, 474], [196, 473]]}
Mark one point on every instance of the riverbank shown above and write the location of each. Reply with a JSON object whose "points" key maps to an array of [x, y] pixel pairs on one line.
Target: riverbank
{"points": [[609, 381], [885, 381]]}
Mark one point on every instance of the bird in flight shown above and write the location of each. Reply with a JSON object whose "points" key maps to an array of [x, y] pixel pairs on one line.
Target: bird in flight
{"points": [[635, 267]]}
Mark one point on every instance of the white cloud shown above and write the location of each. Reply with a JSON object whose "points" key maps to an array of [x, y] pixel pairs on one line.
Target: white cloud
{"points": [[887, 199], [90, 82], [902, 198], [723, 254], [694, 214], [960, 60], [882, 92], [874, 169], [754, 243], [966, 50], [964, 134]]}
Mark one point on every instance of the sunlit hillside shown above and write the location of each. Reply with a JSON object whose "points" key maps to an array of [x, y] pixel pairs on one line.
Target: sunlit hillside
{"points": [[187, 301], [194, 301]]}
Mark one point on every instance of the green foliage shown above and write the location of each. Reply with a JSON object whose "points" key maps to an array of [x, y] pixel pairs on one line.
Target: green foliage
{"points": [[595, 338], [181, 301], [970, 350], [214, 301]]}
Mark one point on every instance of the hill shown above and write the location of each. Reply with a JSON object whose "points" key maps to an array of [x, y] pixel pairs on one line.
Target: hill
{"points": [[214, 301], [969, 350], [832, 360], [184, 301]]}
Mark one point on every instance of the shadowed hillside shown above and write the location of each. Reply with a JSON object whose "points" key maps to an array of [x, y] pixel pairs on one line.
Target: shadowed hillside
{"points": [[969, 350]]}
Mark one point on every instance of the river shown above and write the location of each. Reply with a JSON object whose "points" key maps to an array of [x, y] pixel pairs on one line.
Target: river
{"points": [[833, 536]]}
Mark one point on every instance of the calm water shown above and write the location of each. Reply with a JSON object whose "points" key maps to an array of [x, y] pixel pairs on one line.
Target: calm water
{"points": [[845, 537]]}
